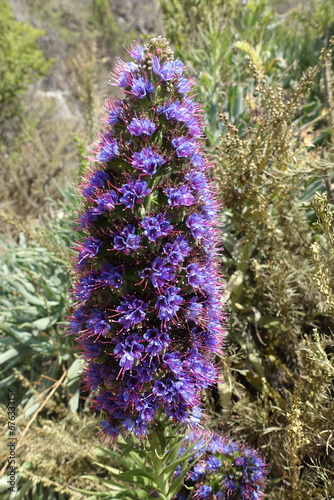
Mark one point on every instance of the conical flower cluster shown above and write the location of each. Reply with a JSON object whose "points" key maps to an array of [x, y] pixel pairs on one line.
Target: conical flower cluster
{"points": [[147, 311], [223, 469]]}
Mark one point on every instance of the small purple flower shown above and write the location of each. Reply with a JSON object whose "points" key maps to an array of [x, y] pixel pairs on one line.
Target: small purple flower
{"points": [[125, 79], [204, 492], [183, 85], [156, 227], [133, 192], [114, 113], [137, 52], [175, 111], [98, 322], [93, 378], [239, 461], [127, 240], [128, 352], [194, 309], [197, 181], [169, 303], [213, 464], [177, 251], [157, 341], [77, 321], [110, 430], [86, 286], [133, 311], [108, 148], [167, 70], [180, 196], [174, 363], [147, 160], [87, 218], [197, 275], [141, 87], [125, 73], [105, 203], [197, 225], [142, 126], [89, 249], [90, 349], [183, 147], [111, 276], [159, 272], [97, 181]]}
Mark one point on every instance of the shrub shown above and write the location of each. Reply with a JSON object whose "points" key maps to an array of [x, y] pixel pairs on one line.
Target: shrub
{"points": [[21, 62]]}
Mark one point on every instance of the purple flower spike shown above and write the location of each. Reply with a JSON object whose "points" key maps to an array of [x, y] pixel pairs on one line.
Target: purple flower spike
{"points": [[226, 469], [146, 311]]}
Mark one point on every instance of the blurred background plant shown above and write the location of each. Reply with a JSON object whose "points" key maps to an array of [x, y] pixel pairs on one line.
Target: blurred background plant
{"points": [[268, 96]]}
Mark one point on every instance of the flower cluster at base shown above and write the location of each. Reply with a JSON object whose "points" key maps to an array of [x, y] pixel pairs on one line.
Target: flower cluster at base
{"points": [[225, 470], [147, 312]]}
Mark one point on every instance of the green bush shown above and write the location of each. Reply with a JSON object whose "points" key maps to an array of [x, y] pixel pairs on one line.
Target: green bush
{"points": [[21, 61]]}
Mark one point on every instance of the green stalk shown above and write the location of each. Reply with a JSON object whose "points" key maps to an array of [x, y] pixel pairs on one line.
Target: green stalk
{"points": [[157, 450]]}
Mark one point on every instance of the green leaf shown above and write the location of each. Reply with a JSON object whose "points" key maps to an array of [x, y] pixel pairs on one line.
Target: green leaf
{"points": [[184, 458], [137, 473], [135, 476], [42, 323], [6, 356]]}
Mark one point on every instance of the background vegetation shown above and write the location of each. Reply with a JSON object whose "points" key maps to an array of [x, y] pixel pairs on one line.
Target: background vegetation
{"points": [[265, 77]]}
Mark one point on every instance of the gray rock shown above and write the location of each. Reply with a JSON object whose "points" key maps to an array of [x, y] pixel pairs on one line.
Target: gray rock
{"points": [[143, 16]]}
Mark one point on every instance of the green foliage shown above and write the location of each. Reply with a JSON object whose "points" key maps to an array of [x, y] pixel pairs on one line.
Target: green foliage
{"points": [[21, 62], [275, 389], [34, 299], [323, 251], [217, 38], [263, 177], [149, 471]]}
